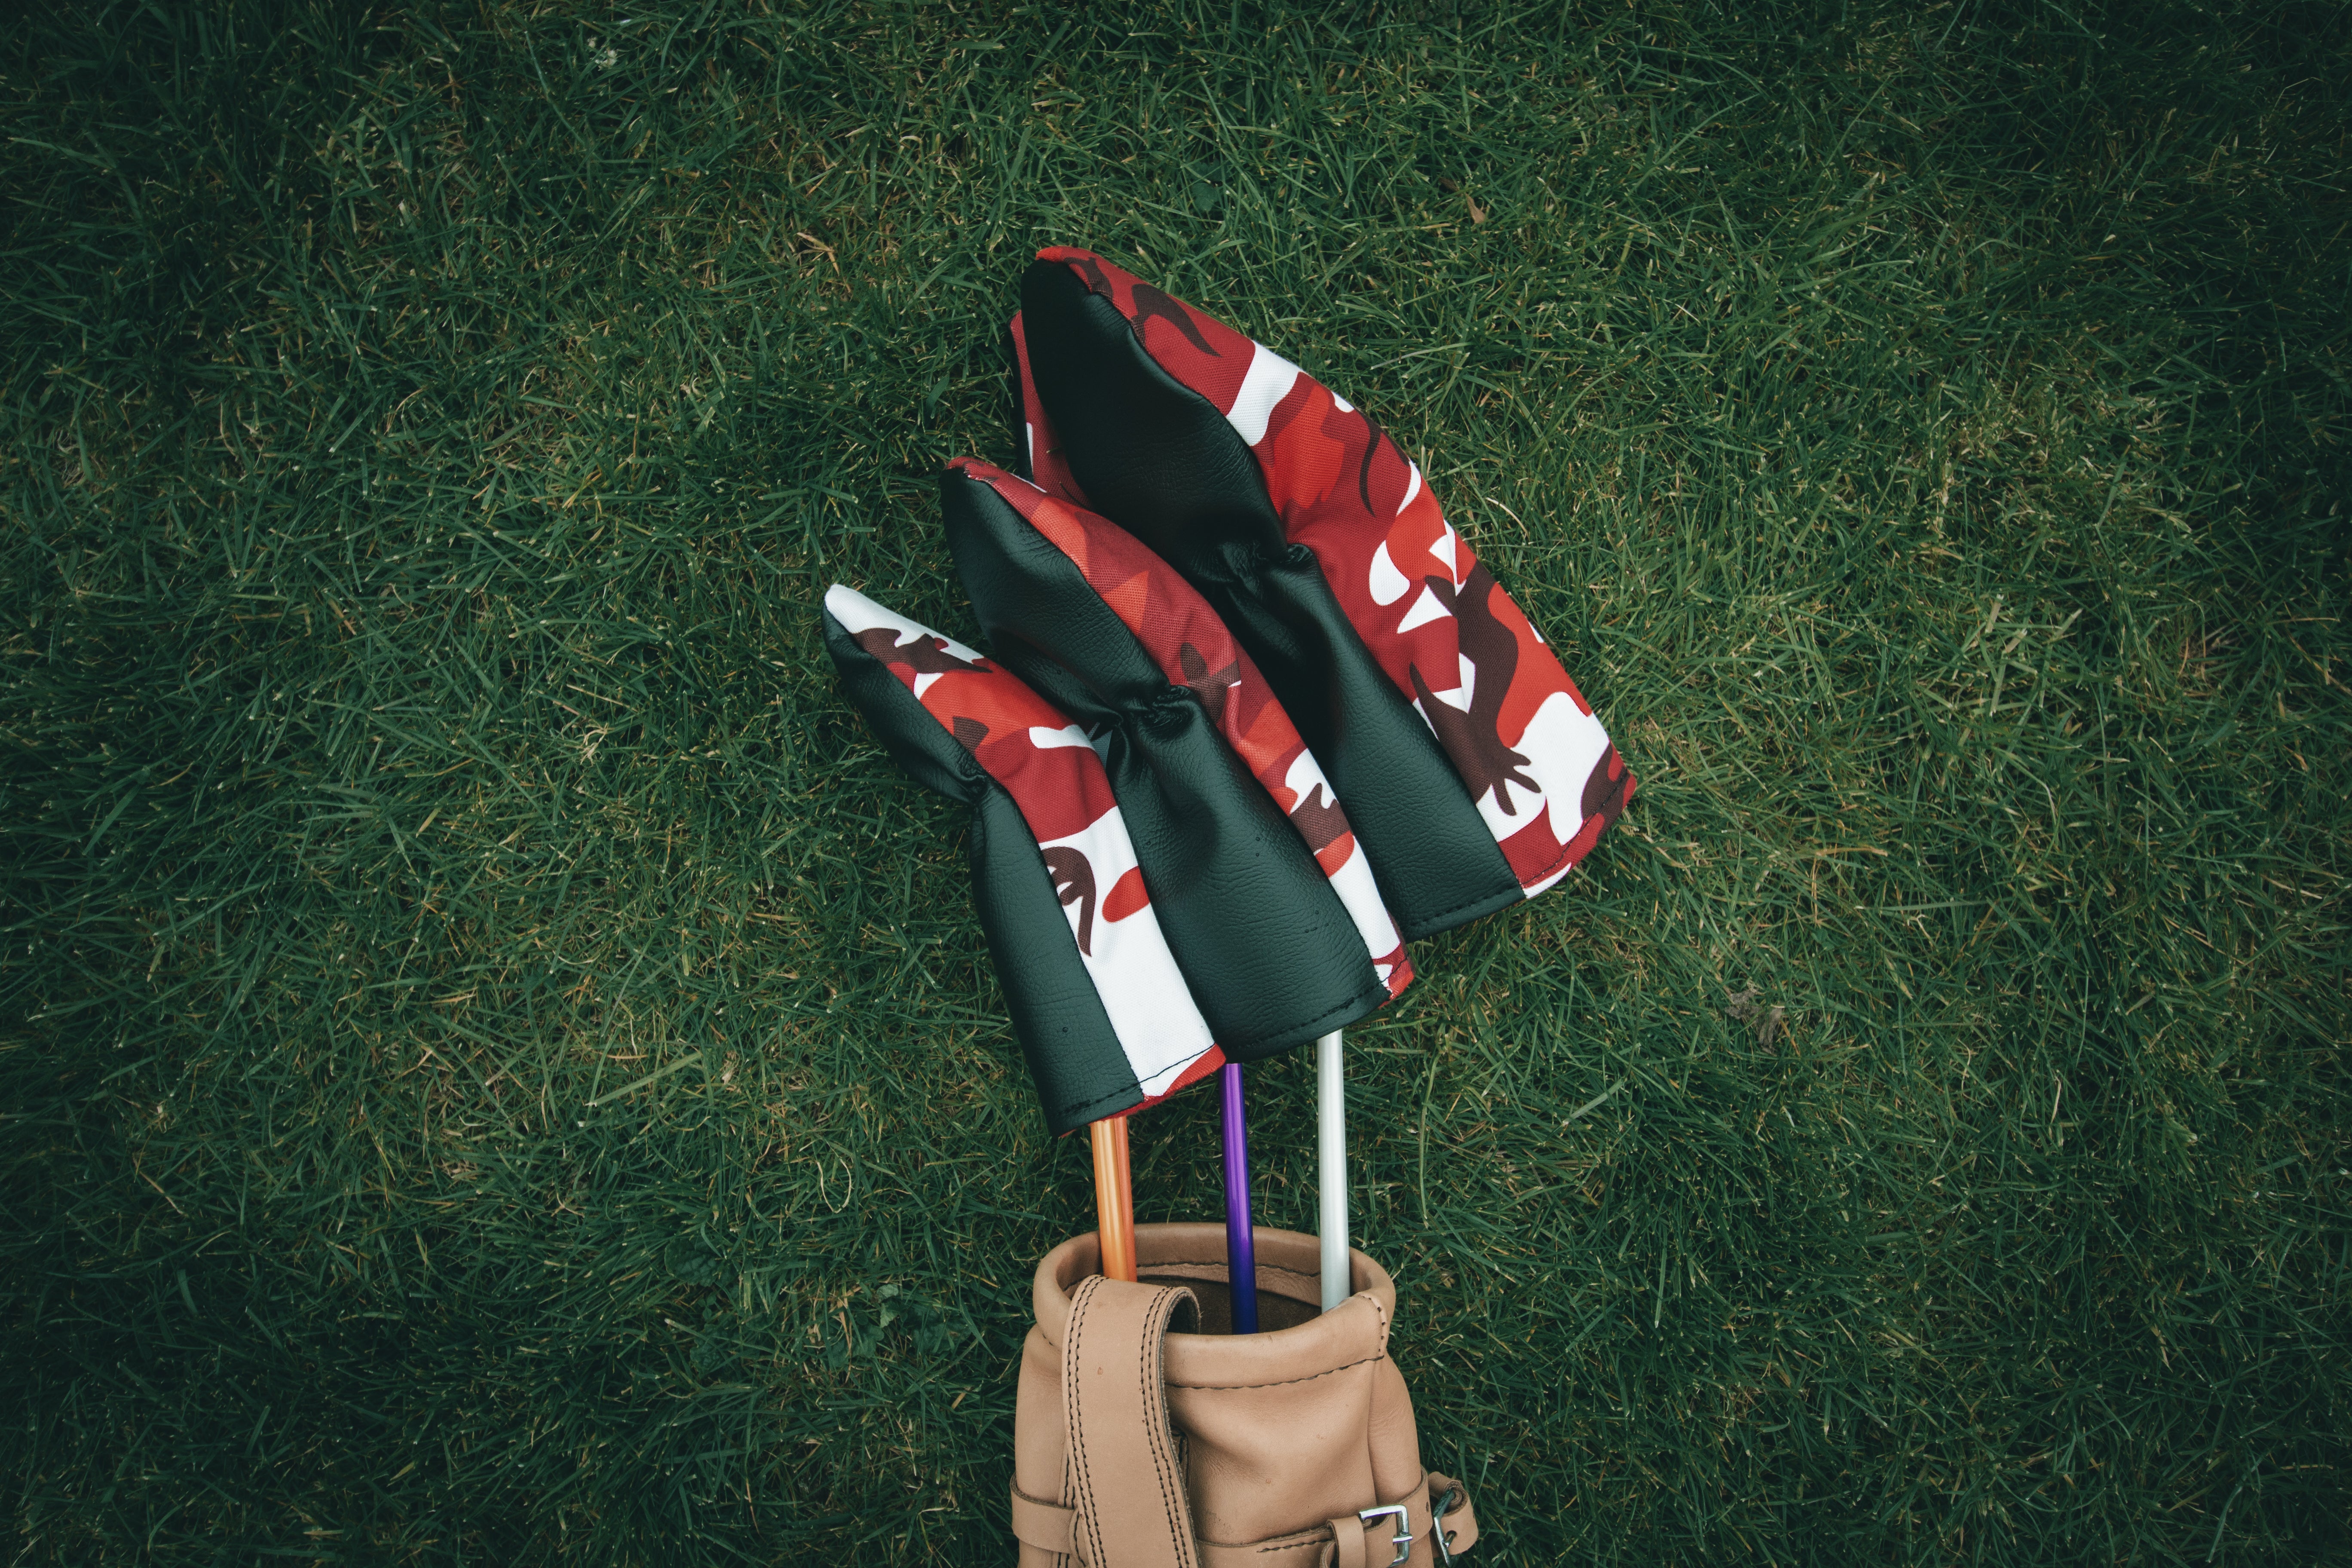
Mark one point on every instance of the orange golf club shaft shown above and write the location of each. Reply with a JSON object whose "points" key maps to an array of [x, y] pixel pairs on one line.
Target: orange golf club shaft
{"points": [[1114, 1197]]}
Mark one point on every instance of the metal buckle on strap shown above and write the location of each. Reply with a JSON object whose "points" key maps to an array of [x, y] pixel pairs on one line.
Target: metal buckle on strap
{"points": [[1402, 1539], [1449, 1499]]}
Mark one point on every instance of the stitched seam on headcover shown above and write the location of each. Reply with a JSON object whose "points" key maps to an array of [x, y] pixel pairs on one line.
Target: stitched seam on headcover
{"points": [[1314, 1022], [1563, 859], [1081, 1110], [1075, 1419], [1284, 1382], [1452, 910], [1568, 856], [1156, 1419]]}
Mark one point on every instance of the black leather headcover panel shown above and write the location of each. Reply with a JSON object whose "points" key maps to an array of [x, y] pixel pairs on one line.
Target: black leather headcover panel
{"points": [[1065, 1035], [1158, 458], [1019, 583], [1057, 1015], [1153, 455], [1436, 864], [1269, 952]]}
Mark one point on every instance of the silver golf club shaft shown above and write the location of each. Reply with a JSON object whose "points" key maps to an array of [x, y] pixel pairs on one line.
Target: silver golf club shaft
{"points": [[1331, 1168]]}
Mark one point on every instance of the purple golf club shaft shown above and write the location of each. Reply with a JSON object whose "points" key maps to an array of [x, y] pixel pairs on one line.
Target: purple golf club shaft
{"points": [[1241, 1245]]}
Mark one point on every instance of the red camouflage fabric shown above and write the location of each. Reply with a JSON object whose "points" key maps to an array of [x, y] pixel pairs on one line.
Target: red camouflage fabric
{"points": [[1056, 779], [1192, 648], [1528, 746]]}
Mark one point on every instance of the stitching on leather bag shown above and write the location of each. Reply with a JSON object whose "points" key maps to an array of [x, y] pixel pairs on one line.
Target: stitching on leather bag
{"points": [[1316, 1537], [1284, 1382], [1070, 1492], [1076, 1406], [1163, 1308]]}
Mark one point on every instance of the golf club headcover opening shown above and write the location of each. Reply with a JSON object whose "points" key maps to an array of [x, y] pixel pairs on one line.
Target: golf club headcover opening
{"points": [[1103, 1013], [1474, 772], [1266, 898]]}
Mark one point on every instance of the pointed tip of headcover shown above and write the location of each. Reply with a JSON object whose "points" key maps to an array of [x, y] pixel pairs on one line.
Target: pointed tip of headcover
{"points": [[855, 611]]}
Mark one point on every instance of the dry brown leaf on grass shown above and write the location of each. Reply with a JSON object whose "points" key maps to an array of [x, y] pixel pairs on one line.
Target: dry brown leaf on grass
{"points": [[1744, 1008]]}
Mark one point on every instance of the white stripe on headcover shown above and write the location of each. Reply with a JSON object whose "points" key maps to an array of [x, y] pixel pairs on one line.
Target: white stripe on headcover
{"points": [[1424, 610], [1562, 745], [1269, 381], [1353, 880], [1151, 1012], [860, 614], [1160, 1030], [1386, 583], [1443, 549]]}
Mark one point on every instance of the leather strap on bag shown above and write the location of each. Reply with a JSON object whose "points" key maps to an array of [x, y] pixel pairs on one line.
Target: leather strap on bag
{"points": [[1048, 1526], [1357, 1540], [1117, 1491], [1341, 1543], [1125, 1481]]}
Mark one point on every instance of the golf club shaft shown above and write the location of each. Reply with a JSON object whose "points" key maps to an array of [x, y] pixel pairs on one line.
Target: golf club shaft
{"points": [[1241, 1246], [1331, 1168], [1114, 1197]]}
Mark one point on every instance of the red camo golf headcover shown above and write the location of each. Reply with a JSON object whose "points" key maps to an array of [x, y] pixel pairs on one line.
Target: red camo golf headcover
{"points": [[1104, 1014], [1190, 647], [1238, 468], [1260, 886]]}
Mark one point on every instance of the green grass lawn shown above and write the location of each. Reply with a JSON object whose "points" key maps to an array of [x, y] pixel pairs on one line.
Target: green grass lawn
{"points": [[497, 1066]]}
